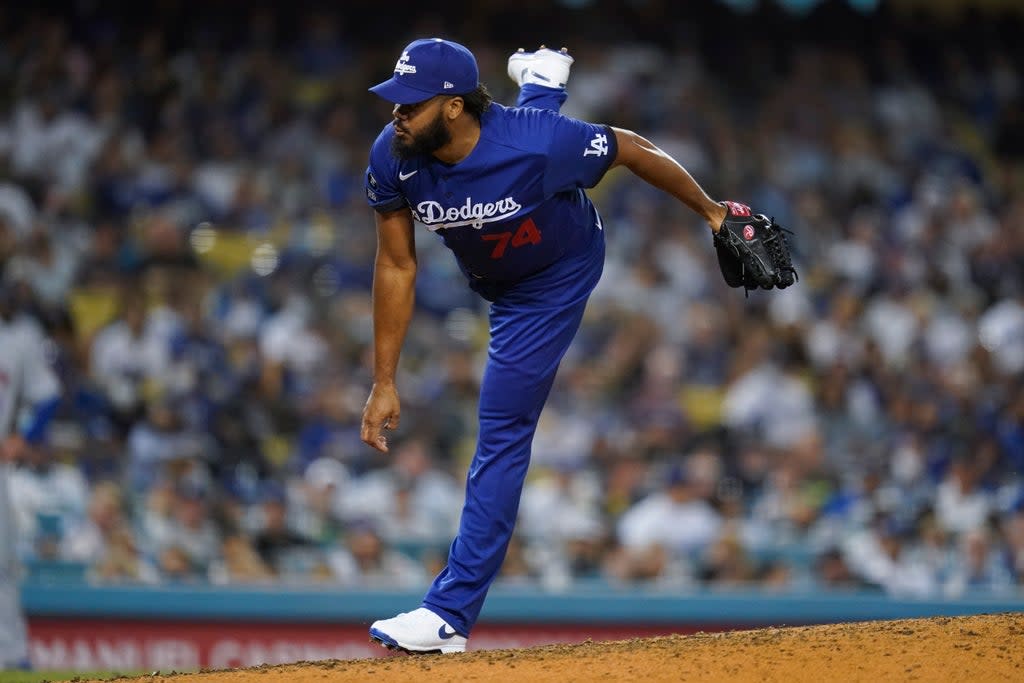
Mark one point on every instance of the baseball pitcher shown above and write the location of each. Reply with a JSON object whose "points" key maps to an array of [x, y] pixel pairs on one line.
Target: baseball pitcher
{"points": [[503, 187]]}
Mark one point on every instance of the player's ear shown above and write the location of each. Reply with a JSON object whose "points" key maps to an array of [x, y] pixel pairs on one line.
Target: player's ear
{"points": [[453, 107]]}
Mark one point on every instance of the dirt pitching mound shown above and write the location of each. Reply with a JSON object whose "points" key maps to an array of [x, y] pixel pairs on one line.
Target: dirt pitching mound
{"points": [[976, 648]]}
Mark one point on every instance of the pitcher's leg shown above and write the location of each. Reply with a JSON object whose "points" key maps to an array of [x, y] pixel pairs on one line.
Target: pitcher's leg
{"points": [[526, 348]]}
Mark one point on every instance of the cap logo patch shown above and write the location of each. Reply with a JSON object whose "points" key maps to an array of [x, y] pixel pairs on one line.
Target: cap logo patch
{"points": [[448, 84], [402, 66]]}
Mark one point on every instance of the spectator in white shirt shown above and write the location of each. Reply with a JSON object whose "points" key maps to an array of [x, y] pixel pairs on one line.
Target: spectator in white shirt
{"points": [[880, 555], [49, 498], [676, 517], [124, 354], [961, 505]]}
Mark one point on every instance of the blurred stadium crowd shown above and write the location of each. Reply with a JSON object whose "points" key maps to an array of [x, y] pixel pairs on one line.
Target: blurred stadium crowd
{"points": [[182, 218]]}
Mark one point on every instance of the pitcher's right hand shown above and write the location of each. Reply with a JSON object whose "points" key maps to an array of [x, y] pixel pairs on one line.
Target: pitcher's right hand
{"points": [[382, 411]]}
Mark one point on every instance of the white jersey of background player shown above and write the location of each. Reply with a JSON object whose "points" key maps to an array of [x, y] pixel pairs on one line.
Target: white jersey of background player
{"points": [[29, 392]]}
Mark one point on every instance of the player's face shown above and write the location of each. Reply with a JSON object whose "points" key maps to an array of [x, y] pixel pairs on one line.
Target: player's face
{"points": [[420, 128]]}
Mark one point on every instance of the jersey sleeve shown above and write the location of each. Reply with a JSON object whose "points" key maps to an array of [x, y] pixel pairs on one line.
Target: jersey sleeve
{"points": [[579, 154], [541, 97], [382, 190]]}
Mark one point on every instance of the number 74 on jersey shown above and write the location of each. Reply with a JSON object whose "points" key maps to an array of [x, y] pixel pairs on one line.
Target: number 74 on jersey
{"points": [[526, 233]]}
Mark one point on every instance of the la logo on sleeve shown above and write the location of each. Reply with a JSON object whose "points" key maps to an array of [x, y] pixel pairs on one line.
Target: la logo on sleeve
{"points": [[598, 146]]}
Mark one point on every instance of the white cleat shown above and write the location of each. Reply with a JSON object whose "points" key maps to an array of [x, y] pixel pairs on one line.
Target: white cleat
{"points": [[546, 67], [417, 632]]}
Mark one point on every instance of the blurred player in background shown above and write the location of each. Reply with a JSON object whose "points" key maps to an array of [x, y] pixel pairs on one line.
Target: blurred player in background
{"points": [[504, 188], [29, 393]]}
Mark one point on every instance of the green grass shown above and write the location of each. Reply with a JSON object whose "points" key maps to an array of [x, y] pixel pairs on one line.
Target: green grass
{"points": [[55, 676]]}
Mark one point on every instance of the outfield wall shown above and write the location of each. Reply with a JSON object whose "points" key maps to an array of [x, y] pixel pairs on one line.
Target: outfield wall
{"points": [[188, 627]]}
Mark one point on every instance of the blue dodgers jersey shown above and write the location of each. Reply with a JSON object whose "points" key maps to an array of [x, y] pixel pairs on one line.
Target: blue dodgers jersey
{"points": [[516, 204]]}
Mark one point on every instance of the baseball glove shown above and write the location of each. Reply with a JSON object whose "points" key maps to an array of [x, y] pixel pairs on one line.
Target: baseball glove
{"points": [[752, 250]]}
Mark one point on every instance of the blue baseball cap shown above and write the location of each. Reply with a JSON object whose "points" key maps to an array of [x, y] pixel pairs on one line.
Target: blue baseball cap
{"points": [[429, 67]]}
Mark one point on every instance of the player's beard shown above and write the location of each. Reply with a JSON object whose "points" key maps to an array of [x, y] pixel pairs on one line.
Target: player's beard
{"points": [[435, 136]]}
